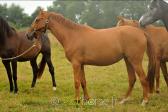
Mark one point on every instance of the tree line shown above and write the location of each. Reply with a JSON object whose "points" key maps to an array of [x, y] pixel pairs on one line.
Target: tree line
{"points": [[98, 14]]}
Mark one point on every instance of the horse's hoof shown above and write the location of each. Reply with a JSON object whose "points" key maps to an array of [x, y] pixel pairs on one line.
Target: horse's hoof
{"points": [[123, 101], [54, 88], [32, 89], [77, 101], [15, 92], [144, 102], [86, 98]]}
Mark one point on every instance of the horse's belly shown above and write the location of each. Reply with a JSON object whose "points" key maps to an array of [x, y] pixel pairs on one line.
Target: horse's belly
{"points": [[103, 60], [24, 59], [164, 57]]}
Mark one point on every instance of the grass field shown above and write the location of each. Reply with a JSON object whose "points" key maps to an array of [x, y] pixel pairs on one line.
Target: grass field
{"points": [[106, 86]]}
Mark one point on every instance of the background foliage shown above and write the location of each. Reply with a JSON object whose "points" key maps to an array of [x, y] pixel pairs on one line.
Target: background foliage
{"points": [[98, 14]]}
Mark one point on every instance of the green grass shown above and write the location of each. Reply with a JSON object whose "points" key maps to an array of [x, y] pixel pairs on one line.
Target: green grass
{"points": [[103, 83]]}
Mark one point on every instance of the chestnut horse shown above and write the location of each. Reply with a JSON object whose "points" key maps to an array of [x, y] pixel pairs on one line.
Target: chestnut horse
{"points": [[13, 43], [159, 36], [84, 45]]}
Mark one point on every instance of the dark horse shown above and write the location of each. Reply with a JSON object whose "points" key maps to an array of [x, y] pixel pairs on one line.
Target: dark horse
{"points": [[158, 9], [14, 43]]}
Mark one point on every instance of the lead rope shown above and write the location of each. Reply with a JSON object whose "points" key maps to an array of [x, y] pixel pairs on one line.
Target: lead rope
{"points": [[29, 49]]}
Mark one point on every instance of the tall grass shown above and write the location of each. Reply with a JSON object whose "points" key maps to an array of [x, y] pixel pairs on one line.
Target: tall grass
{"points": [[106, 86]]}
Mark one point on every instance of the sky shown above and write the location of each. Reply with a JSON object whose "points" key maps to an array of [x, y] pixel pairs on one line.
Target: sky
{"points": [[29, 6]]}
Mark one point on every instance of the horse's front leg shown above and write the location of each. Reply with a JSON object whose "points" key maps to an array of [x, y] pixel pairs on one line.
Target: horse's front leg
{"points": [[157, 76], [164, 71], [35, 71], [83, 84], [9, 73], [14, 67], [77, 68]]}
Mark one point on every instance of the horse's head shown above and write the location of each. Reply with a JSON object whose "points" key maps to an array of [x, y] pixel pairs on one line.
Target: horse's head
{"points": [[39, 25], [123, 21], [155, 13]]}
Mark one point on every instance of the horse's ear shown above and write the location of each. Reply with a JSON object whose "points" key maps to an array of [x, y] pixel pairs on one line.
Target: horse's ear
{"points": [[120, 18], [41, 10]]}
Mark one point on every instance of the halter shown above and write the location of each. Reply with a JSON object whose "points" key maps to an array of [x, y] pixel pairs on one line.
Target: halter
{"points": [[45, 27], [29, 49]]}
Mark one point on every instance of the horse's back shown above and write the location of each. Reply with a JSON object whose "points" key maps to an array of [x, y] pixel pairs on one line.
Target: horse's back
{"points": [[113, 44], [132, 39], [127, 34]]}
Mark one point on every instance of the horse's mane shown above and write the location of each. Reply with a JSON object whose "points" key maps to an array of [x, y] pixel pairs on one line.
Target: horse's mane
{"points": [[5, 30], [62, 20]]}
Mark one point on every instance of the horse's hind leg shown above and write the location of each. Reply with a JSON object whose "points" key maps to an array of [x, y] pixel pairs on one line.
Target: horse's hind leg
{"points": [[51, 69], [157, 75], [137, 65], [164, 71], [131, 78], [14, 67], [35, 71], [9, 73]]}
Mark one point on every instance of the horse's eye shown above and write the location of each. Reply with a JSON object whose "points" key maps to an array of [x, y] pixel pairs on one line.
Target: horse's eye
{"points": [[37, 20]]}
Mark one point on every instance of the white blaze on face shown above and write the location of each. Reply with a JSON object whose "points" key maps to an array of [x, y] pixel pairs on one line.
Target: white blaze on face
{"points": [[35, 19], [166, 1], [148, 6]]}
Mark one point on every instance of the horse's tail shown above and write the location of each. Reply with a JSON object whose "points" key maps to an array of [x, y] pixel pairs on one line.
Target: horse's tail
{"points": [[151, 64], [41, 67]]}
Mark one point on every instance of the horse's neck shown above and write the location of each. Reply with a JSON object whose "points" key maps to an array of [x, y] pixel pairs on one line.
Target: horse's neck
{"points": [[63, 34]]}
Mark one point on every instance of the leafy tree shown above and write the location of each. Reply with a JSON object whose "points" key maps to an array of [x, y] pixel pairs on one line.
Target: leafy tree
{"points": [[98, 14], [3, 11], [70, 9], [16, 16]]}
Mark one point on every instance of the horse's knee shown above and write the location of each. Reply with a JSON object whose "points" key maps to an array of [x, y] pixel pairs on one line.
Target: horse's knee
{"points": [[77, 84]]}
